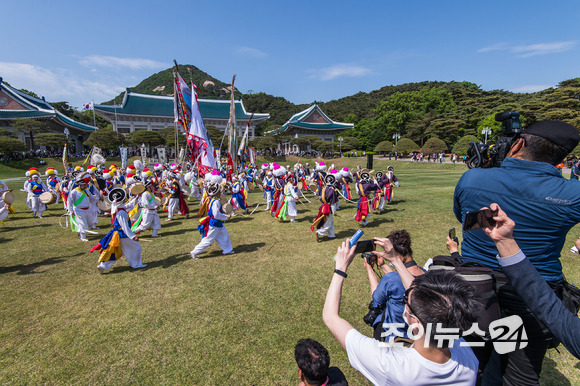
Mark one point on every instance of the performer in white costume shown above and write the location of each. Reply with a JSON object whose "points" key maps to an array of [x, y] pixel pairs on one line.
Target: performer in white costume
{"points": [[78, 203], [211, 226], [120, 241]]}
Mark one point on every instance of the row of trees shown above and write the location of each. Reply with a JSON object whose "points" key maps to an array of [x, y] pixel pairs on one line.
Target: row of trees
{"points": [[452, 112]]}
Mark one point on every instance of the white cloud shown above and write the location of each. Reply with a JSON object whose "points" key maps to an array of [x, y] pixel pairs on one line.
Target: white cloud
{"points": [[543, 48], [252, 52], [525, 51], [57, 85], [532, 88], [113, 62], [338, 71], [495, 47]]}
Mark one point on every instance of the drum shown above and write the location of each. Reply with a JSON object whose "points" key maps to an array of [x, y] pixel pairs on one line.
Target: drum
{"points": [[165, 201], [261, 187], [8, 198], [300, 185], [223, 199], [186, 191], [58, 187], [228, 208], [104, 205], [47, 198], [137, 189], [157, 202], [250, 186]]}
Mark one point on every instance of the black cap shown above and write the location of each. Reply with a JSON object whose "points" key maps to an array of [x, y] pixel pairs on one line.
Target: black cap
{"points": [[559, 133]]}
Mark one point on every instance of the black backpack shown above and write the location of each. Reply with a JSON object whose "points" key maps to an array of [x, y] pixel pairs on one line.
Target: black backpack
{"points": [[481, 279]]}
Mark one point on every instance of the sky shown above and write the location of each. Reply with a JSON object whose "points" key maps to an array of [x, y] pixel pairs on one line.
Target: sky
{"points": [[303, 51]]}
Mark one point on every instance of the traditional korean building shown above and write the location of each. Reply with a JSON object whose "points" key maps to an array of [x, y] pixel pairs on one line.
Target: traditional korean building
{"points": [[154, 112], [15, 104], [311, 121]]}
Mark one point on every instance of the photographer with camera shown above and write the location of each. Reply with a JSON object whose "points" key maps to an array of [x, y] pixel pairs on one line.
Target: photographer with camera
{"points": [[531, 286], [387, 294], [544, 204], [438, 296]]}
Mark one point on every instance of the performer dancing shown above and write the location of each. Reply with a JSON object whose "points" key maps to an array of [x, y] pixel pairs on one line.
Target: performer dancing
{"points": [[238, 195], [176, 198], [149, 215], [268, 184], [393, 181], [324, 221], [78, 203], [52, 181], [35, 188], [365, 187], [279, 172], [120, 240], [290, 197], [345, 180], [211, 226]]}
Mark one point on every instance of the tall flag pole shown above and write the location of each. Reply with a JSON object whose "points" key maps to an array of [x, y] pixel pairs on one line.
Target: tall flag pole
{"points": [[244, 141], [198, 139], [232, 130], [181, 106], [64, 160]]}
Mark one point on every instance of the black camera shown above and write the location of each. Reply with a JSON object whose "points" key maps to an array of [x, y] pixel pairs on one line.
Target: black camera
{"points": [[481, 155], [373, 314], [371, 258]]}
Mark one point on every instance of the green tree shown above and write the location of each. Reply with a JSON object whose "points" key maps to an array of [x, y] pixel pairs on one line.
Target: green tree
{"points": [[30, 127], [105, 139], [461, 147], [349, 143], [325, 146], [267, 142], [51, 140], [168, 135], [147, 137], [434, 145], [6, 133], [384, 147], [351, 118], [394, 114], [406, 145], [10, 145], [301, 142], [65, 108], [489, 122], [216, 136]]}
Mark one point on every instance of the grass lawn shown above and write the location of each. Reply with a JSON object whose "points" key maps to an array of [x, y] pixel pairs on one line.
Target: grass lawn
{"points": [[220, 320]]}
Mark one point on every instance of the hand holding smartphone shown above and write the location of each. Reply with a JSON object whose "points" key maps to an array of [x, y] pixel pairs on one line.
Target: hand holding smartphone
{"points": [[479, 219], [453, 236]]}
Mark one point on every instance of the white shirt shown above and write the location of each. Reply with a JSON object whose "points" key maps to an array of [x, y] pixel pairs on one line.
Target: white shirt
{"points": [[405, 366]]}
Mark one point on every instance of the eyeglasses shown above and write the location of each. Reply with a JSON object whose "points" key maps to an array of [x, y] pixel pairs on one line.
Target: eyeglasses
{"points": [[406, 302]]}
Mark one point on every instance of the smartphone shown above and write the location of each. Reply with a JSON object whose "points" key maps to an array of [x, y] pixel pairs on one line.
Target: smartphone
{"points": [[365, 246], [452, 235], [479, 219]]}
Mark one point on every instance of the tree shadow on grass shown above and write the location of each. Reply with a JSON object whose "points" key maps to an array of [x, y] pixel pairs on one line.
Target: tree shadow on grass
{"points": [[555, 376], [27, 269], [164, 263], [27, 227], [238, 218], [176, 232], [237, 248]]}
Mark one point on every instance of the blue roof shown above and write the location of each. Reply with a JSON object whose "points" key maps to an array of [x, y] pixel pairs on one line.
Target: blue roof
{"points": [[322, 122], [162, 106], [37, 108]]}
